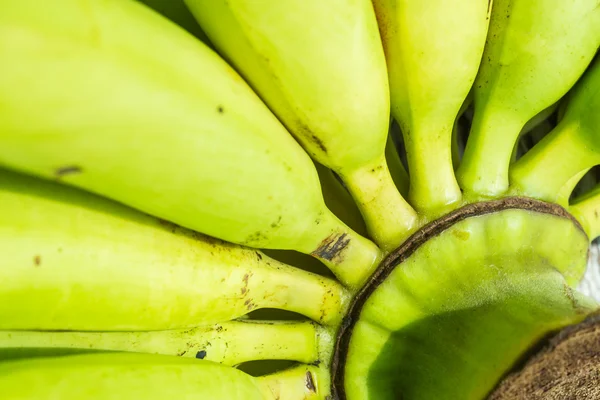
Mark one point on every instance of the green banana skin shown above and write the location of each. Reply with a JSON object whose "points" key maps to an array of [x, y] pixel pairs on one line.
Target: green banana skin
{"points": [[160, 102], [569, 150], [529, 45], [229, 343], [142, 376], [433, 50], [333, 97], [74, 261], [465, 307]]}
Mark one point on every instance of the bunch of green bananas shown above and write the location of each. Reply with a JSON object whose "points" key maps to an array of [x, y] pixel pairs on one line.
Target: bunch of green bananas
{"points": [[185, 195]]}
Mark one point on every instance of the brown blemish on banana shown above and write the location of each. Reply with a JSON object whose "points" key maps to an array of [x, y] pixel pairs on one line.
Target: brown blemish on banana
{"points": [[37, 260], [67, 170], [310, 383], [405, 250], [220, 109], [332, 246]]}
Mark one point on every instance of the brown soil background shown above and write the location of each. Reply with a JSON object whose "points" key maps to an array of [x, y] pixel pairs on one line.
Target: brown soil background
{"points": [[566, 368]]}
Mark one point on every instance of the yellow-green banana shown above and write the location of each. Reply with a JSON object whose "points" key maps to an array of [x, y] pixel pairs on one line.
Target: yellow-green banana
{"points": [[433, 50], [570, 150], [74, 261], [228, 343], [115, 376], [132, 107], [320, 67], [535, 51]]}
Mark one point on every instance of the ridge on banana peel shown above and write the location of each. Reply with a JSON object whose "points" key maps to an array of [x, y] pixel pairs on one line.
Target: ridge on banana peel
{"points": [[154, 113], [480, 265]]}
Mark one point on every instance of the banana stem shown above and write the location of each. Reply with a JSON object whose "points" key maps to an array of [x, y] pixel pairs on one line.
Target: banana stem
{"points": [[229, 343], [299, 383], [390, 219], [555, 160], [485, 163], [586, 208], [433, 185], [397, 170]]}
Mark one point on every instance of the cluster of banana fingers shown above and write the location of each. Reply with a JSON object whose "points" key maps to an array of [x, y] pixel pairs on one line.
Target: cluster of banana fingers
{"points": [[151, 173]]}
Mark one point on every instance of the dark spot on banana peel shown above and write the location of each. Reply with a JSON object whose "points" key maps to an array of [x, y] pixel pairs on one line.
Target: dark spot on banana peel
{"points": [[319, 143], [182, 353], [220, 109], [67, 170], [259, 255], [201, 354], [310, 383], [37, 260], [332, 246]]}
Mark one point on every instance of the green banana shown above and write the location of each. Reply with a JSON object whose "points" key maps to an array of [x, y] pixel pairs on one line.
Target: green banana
{"points": [[570, 150], [144, 376], [124, 101], [321, 69], [433, 50], [536, 50], [75, 261], [228, 343]]}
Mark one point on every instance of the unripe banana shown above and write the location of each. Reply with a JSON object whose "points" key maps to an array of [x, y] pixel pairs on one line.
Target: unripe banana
{"points": [[571, 149], [535, 52], [228, 343], [115, 376], [74, 261], [433, 50], [320, 67], [130, 106]]}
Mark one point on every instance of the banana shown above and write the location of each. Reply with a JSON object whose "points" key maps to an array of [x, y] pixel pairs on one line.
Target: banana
{"points": [[108, 376], [129, 106], [321, 69], [570, 150], [74, 261], [433, 50], [228, 343], [536, 50]]}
